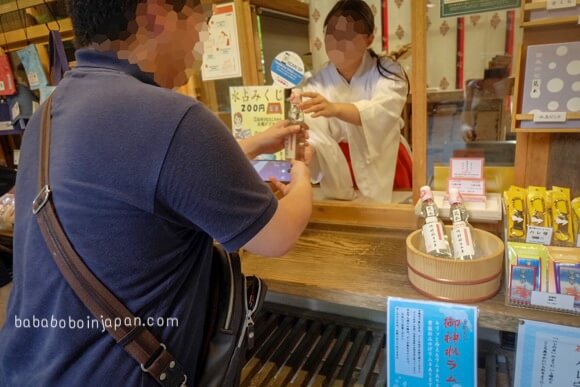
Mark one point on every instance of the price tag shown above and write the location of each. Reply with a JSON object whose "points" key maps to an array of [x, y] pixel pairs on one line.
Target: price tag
{"points": [[15, 111], [553, 300], [550, 117], [467, 168], [559, 4], [539, 235], [16, 156], [33, 79]]}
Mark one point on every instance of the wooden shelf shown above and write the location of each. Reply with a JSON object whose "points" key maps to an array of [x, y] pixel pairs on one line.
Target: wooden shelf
{"points": [[551, 22], [530, 117], [16, 39], [547, 129], [540, 5], [22, 4]]}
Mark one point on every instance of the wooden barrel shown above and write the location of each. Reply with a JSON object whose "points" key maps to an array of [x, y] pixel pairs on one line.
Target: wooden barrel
{"points": [[454, 280]]}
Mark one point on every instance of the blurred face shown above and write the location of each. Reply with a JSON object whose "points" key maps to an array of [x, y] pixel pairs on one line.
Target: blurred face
{"points": [[166, 43], [346, 41]]}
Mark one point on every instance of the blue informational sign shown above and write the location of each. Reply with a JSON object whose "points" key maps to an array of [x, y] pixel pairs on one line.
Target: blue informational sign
{"points": [[287, 69], [547, 355], [431, 344]]}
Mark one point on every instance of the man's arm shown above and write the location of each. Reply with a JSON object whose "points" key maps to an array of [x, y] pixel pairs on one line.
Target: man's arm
{"points": [[280, 234]]}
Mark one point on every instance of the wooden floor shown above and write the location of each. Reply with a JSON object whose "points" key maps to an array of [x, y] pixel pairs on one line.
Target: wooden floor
{"points": [[4, 293]]}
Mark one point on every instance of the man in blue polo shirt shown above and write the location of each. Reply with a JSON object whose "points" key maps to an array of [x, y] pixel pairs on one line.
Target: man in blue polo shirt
{"points": [[143, 179]]}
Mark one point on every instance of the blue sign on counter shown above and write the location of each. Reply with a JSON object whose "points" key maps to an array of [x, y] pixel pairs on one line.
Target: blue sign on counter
{"points": [[431, 344]]}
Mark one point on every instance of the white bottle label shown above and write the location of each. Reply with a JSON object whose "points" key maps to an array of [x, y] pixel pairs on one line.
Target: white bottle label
{"points": [[429, 211], [434, 237], [456, 216], [462, 242]]}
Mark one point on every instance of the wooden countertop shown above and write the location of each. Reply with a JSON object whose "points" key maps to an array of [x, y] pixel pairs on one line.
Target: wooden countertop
{"points": [[361, 269]]}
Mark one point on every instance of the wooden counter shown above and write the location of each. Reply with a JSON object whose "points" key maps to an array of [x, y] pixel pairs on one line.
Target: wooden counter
{"points": [[361, 269]]}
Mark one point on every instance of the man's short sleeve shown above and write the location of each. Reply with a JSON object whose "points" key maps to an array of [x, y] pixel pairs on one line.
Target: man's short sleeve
{"points": [[207, 182]]}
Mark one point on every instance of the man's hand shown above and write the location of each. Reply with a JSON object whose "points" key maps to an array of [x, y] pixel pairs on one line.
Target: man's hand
{"points": [[299, 174], [269, 141]]}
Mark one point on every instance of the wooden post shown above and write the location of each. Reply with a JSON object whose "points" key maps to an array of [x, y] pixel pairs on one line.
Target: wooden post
{"points": [[419, 95]]}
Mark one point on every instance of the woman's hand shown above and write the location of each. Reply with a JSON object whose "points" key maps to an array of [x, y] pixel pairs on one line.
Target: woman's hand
{"points": [[318, 105], [321, 107]]}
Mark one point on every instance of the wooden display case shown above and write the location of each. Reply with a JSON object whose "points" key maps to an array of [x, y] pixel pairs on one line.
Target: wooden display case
{"points": [[545, 156], [536, 13]]}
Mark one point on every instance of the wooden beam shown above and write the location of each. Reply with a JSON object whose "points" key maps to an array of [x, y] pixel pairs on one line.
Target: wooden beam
{"points": [[16, 39], [22, 4], [419, 94], [246, 42], [387, 216]]}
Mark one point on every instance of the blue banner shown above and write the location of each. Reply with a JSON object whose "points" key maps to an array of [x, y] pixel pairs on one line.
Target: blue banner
{"points": [[431, 344], [284, 71]]}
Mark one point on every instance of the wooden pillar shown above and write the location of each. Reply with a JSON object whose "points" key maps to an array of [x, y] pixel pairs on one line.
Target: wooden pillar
{"points": [[419, 95]]}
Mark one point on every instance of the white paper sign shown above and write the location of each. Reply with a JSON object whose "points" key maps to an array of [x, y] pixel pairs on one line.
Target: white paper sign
{"points": [[559, 4], [221, 56], [547, 355], [467, 168], [549, 116], [541, 235], [553, 300], [468, 186]]}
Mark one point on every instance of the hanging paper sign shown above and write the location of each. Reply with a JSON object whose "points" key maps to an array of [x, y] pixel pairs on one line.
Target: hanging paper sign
{"points": [[31, 63], [255, 109], [287, 70], [547, 355], [221, 56], [431, 343]]}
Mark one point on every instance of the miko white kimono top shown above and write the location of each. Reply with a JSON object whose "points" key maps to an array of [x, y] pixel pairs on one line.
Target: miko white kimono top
{"points": [[373, 146]]}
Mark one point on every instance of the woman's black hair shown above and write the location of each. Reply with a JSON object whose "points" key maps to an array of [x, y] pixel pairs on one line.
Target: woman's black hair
{"points": [[95, 21], [358, 10]]}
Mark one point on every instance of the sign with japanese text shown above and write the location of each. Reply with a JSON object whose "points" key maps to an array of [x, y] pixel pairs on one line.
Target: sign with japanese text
{"points": [[466, 7], [221, 54], [466, 168], [547, 355], [431, 343], [255, 109]]}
